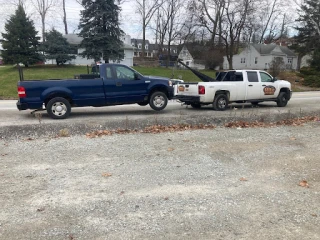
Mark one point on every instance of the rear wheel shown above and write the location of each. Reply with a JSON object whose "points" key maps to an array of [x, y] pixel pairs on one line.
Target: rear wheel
{"points": [[58, 108], [282, 99], [220, 102], [158, 101]]}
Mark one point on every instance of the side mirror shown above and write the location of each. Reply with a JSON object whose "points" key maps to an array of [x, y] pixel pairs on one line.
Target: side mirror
{"points": [[136, 76], [274, 79]]}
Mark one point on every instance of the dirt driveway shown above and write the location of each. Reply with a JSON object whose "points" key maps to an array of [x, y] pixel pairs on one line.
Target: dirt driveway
{"points": [[204, 184]]}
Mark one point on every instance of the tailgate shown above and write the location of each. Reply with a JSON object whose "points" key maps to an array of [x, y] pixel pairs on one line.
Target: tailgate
{"points": [[187, 89]]}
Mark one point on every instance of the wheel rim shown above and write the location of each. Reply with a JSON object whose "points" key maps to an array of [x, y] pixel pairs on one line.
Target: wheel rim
{"points": [[159, 101], [222, 103], [284, 99], [59, 109]]}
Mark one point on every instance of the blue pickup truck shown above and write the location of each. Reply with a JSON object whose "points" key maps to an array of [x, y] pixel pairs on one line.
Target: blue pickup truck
{"points": [[112, 84]]}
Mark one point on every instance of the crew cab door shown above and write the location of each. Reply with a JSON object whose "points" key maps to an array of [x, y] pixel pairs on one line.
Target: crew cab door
{"points": [[270, 88], [130, 87], [254, 86]]}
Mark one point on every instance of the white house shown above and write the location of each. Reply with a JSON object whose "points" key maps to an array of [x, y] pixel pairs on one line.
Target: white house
{"points": [[259, 56], [187, 59], [75, 40]]}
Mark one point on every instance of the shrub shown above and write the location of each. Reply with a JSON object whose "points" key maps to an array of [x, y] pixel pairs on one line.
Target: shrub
{"points": [[312, 80], [308, 71]]}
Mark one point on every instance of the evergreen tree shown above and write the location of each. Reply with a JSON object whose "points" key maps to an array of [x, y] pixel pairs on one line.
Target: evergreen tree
{"points": [[57, 47], [99, 27], [20, 43], [309, 31]]}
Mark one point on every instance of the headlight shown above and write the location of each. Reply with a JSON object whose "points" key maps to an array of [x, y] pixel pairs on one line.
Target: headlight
{"points": [[170, 83]]}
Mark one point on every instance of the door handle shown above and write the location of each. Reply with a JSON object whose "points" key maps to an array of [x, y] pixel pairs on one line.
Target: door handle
{"points": [[250, 85], [118, 84], [264, 85]]}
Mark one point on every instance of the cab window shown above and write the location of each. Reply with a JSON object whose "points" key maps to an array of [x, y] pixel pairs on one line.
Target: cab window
{"points": [[265, 77], [252, 76], [233, 76], [124, 73], [108, 72]]}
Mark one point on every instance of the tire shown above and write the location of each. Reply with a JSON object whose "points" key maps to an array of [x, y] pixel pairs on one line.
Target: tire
{"points": [[196, 105], [143, 103], [282, 99], [58, 108], [220, 102], [158, 101]]}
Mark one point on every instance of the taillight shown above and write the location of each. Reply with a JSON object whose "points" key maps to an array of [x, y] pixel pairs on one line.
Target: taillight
{"points": [[21, 92], [201, 90]]}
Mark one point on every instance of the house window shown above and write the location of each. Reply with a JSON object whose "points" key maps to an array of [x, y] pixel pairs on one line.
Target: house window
{"points": [[146, 47], [139, 46], [243, 60], [174, 51], [290, 60], [256, 60]]}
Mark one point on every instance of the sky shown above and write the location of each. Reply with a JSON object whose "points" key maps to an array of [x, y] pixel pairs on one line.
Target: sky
{"points": [[129, 20]]}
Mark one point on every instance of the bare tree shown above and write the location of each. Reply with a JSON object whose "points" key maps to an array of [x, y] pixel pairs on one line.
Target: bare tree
{"points": [[147, 9], [232, 25], [170, 24], [43, 7]]}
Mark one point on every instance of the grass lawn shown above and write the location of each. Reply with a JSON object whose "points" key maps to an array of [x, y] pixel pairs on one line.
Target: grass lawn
{"points": [[9, 76]]}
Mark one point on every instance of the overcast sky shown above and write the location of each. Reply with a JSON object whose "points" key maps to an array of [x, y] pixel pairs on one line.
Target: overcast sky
{"points": [[130, 23]]}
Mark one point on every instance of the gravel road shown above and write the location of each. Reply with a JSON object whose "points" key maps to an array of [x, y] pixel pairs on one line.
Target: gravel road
{"points": [[203, 184]]}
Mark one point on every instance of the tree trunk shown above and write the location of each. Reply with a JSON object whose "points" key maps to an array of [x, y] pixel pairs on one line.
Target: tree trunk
{"points": [[43, 21], [299, 60], [65, 17]]}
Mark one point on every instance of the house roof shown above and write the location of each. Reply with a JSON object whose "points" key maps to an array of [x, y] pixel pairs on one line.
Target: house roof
{"points": [[138, 41], [76, 40], [266, 49]]}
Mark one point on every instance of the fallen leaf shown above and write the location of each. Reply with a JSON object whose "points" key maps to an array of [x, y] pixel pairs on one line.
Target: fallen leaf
{"points": [[71, 237], [106, 174], [314, 215], [304, 183], [243, 179], [166, 198], [170, 149], [40, 209], [293, 138]]}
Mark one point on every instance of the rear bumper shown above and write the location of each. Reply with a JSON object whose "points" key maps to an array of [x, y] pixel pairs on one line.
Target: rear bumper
{"points": [[188, 99], [22, 106]]}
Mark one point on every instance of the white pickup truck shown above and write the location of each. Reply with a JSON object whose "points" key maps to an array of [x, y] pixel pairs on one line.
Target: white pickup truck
{"points": [[238, 86]]}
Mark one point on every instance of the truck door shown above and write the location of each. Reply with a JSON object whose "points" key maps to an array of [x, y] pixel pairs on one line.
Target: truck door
{"points": [[254, 87], [130, 87], [270, 88], [109, 84]]}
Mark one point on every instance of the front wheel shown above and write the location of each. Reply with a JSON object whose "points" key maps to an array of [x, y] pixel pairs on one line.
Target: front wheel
{"points": [[58, 108], [220, 102], [282, 99], [158, 101]]}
